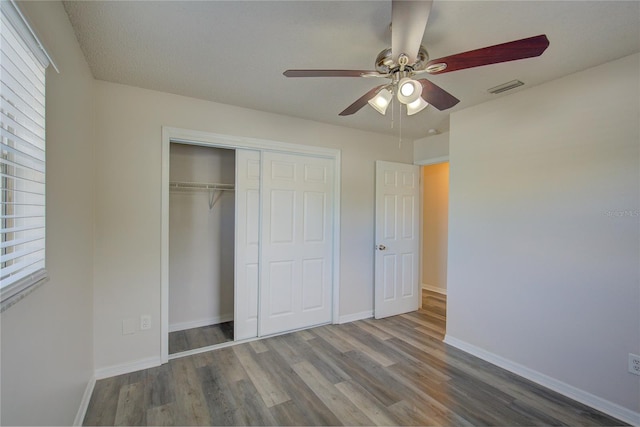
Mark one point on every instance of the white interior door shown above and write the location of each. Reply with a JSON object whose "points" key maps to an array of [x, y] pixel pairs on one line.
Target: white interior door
{"points": [[296, 242], [247, 244], [397, 287]]}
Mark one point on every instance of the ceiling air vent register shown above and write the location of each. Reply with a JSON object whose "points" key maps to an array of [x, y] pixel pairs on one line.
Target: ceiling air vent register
{"points": [[505, 87]]}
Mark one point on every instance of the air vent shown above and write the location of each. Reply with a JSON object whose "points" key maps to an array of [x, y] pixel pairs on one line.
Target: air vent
{"points": [[505, 87]]}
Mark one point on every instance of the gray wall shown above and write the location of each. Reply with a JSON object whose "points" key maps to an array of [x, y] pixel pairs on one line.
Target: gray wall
{"points": [[47, 338], [544, 236]]}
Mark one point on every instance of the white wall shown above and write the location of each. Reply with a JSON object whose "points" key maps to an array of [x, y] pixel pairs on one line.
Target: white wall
{"points": [[431, 149], [544, 230], [47, 344], [128, 168], [201, 239]]}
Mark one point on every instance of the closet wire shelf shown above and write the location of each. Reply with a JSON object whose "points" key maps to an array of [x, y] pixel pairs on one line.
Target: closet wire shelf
{"points": [[211, 188], [199, 186]]}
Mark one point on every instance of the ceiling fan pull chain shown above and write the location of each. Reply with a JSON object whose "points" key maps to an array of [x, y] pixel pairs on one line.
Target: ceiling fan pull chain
{"points": [[400, 140], [392, 111]]}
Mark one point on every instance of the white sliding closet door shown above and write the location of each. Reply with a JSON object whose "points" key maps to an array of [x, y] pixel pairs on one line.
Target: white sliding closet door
{"points": [[296, 242], [247, 244]]}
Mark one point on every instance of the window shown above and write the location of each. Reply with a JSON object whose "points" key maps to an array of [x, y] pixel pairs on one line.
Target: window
{"points": [[22, 156]]}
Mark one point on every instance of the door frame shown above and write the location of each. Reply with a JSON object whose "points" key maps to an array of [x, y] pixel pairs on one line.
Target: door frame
{"points": [[208, 139]]}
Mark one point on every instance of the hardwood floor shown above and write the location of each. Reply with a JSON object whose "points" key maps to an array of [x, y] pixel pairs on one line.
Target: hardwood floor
{"points": [[204, 336], [434, 307], [394, 371]]}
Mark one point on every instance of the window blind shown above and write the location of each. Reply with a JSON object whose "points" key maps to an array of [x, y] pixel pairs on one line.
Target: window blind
{"points": [[22, 155]]}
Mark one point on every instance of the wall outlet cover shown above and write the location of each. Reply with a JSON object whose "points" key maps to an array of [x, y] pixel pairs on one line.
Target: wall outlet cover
{"points": [[634, 364], [145, 322]]}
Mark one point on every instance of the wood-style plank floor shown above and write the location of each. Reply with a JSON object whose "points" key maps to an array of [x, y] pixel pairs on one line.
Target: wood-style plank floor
{"points": [[394, 371], [204, 336]]}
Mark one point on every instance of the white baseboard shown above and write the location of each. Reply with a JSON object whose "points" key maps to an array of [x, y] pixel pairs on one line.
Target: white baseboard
{"points": [[200, 323], [610, 408], [84, 403], [437, 289], [355, 316], [125, 368]]}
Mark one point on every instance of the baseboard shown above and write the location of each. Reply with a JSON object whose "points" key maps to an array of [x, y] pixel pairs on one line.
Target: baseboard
{"points": [[125, 368], [610, 408], [436, 289], [200, 323], [84, 403], [356, 316]]}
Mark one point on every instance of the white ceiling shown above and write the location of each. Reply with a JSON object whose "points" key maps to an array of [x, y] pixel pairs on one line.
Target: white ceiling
{"points": [[234, 52]]}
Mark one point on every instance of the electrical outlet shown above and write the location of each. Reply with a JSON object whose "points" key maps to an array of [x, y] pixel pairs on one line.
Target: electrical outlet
{"points": [[634, 364], [145, 322]]}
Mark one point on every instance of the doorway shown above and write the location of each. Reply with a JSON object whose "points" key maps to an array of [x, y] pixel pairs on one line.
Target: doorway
{"points": [[411, 233], [434, 245], [201, 246], [435, 226], [397, 237]]}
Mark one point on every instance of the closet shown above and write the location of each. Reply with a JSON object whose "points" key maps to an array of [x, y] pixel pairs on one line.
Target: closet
{"points": [[249, 241], [201, 246]]}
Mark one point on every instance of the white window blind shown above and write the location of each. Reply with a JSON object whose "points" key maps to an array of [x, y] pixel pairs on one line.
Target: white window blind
{"points": [[22, 156]]}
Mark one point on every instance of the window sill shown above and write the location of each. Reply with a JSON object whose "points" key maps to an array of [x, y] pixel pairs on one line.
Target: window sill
{"points": [[20, 295]]}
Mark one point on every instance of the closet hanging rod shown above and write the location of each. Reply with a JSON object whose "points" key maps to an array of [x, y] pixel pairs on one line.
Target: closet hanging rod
{"points": [[181, 185]]}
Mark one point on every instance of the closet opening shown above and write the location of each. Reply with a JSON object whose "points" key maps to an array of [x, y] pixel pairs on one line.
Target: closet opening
{"points": [[201, 246]]}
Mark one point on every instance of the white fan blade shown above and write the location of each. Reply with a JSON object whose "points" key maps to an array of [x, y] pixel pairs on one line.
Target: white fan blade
{"points": [[408, 21]]}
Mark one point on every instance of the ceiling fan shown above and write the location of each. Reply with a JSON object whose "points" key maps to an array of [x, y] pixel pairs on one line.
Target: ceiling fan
{"points": [[407, 58]]}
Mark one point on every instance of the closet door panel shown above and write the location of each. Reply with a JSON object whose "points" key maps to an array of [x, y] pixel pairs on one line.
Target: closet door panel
{"points": [[247, 277], [312, 284], [282, 217], [314, 210], [296, 249], [280, 300]]}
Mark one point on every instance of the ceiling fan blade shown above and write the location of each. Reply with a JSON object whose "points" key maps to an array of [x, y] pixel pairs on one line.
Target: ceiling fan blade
{"points": [[510, 51], [361, 102], [436, 96], [408, 21], [331, 73]]}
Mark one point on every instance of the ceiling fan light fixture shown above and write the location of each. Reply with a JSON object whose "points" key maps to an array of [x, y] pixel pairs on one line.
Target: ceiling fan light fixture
{"points": [[416, 106], [381, 101], [409, 90]]}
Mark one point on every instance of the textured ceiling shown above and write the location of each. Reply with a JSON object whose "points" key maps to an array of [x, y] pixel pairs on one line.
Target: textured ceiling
{"points": [[234, 52]]}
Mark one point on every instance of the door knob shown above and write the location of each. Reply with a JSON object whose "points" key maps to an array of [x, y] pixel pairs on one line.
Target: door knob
{"points": [[381, 247]]}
